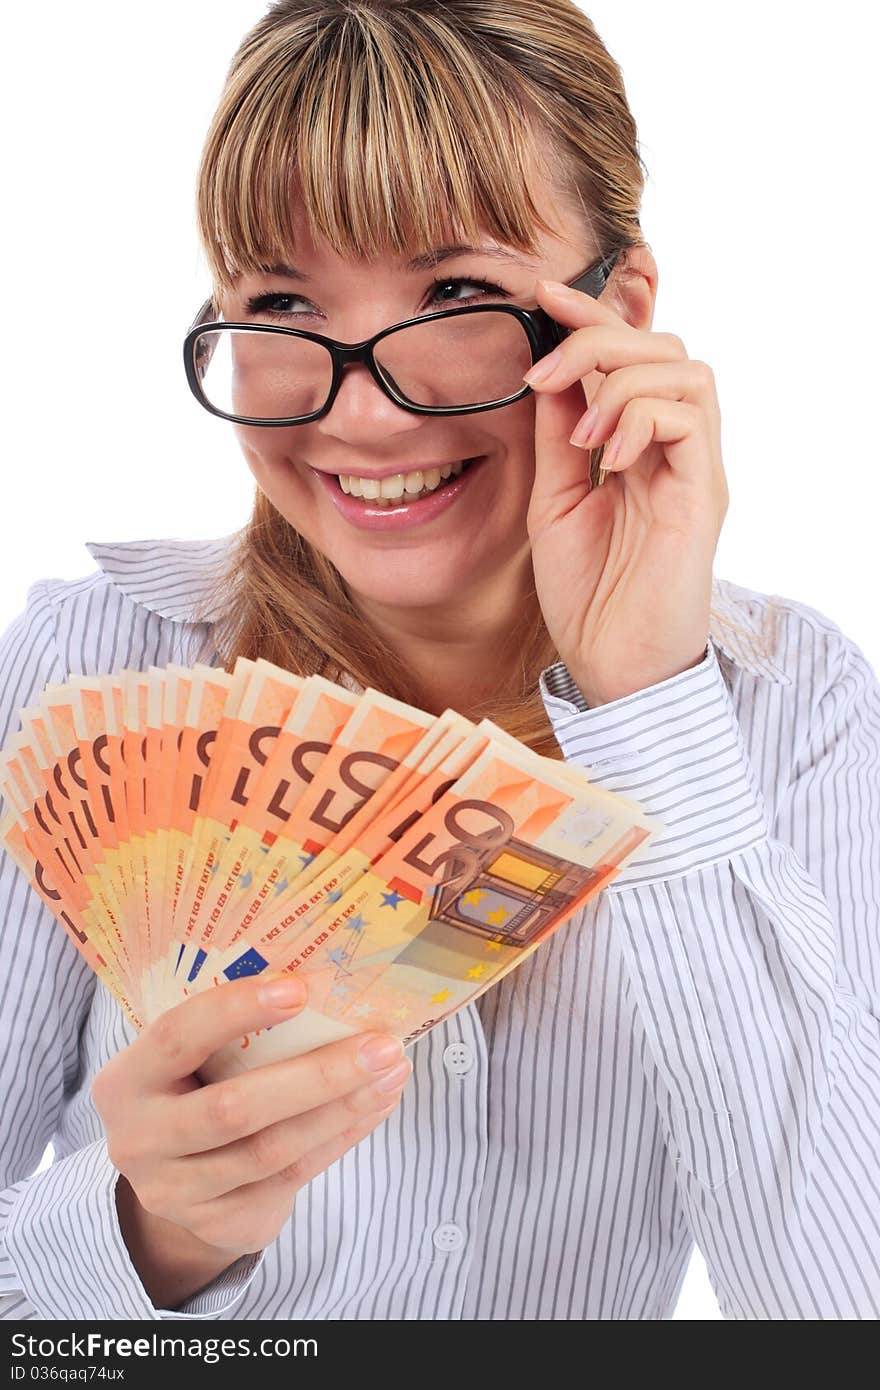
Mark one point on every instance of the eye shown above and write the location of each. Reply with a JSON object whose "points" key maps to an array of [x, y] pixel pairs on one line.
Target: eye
{"points": [[487, 289], [263, 304], [266, 305]]}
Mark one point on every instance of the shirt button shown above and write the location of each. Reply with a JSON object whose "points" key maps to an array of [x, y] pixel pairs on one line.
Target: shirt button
{"points": [[448, 1236], [458, 1059]]}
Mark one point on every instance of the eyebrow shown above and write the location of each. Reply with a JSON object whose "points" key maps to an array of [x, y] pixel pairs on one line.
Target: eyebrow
{"points": [[422, 262]]}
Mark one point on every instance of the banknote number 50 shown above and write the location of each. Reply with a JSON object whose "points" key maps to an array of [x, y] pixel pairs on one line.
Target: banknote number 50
{"points": [[473, 849]]}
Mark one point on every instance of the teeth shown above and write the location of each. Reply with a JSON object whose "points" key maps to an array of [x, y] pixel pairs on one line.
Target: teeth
{"points": [[392, 489]]}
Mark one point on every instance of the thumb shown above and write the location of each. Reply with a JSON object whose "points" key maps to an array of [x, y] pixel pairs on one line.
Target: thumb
{"points": [[562, 470]]}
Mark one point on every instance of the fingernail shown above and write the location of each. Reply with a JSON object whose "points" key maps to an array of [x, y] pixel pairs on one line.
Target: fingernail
{"points": [[612, 451], [379, 1052], [584, 427], [281, 994], [394, 1078], [541, 370]]}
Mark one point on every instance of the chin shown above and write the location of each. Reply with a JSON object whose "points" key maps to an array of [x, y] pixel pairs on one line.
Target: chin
{"points": [[413, 579]]}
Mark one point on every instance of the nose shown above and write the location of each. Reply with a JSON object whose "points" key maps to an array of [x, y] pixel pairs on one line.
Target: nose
{"points": [[362, 414]]}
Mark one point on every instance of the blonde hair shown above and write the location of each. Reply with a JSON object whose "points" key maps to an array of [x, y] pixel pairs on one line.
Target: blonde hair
{"points": [[393, 122]]}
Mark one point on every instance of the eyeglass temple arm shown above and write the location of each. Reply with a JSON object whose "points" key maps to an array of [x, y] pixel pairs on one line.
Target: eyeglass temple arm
{"points": [[595, 278], [206, 314]]}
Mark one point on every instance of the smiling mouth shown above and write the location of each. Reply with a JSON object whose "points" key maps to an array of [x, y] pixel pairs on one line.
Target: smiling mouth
{"points": [[401, 488]]}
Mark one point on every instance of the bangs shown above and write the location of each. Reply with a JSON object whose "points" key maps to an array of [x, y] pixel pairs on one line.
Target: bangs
{"points": [[390, 138]]}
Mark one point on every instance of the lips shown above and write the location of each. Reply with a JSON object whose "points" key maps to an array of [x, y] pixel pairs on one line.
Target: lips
{"points": [[365, 514]]}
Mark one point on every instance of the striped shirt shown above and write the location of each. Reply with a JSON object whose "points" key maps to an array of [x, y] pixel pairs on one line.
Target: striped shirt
{"points": [[693, 1058]]}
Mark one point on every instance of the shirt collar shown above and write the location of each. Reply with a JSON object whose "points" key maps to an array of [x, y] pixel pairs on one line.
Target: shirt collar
{"points": [[173, 578]]}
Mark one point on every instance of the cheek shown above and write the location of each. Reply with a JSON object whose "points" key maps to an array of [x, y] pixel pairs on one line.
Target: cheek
{"points": [[513, 427], [267, 454], [519, 442]]}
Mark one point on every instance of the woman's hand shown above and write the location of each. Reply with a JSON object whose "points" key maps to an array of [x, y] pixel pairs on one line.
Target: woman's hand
{"points": [[211, 1171], [624, 572]]}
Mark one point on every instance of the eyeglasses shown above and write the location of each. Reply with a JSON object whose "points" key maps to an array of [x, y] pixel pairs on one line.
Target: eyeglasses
{"points": [[453, 362]]}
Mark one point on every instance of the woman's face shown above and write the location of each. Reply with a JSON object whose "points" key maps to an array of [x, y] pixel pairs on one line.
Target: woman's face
{"points": [[465, 534]]}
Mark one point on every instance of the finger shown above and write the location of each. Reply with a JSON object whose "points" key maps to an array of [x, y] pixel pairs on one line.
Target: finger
{"points": [[229, 1222], [681, 428], [573, 308], [278, 1150], [227, 1110], [601, 349], [176, 1044], [683, 381]]}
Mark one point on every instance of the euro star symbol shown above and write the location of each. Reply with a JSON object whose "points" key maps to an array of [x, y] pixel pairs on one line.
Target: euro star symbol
{"points": [[476, 971], [391, 899], [473, 897], [441, 997], [498, 916], [494, 945]]}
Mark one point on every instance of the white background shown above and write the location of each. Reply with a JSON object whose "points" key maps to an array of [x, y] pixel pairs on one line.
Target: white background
{"points": [[758, 124]]}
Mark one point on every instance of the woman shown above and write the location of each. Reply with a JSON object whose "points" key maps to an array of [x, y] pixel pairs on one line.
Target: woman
{"points": [[692, 1058]]}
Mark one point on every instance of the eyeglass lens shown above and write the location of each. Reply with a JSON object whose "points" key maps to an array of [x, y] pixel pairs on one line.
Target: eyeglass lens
{"points": [[466, 359]]}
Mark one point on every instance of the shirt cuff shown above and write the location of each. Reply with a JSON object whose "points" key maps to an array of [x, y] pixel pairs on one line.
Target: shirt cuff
{"points": [[677, 749], [65, 1243]]}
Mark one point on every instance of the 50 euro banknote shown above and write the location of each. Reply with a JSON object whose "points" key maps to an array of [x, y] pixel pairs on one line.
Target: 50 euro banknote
{"points": [[187, 826], [464, 893]]}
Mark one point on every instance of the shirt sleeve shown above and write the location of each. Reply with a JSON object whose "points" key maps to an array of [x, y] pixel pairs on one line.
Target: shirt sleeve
{"points": [[62, 1254], [750, 928]]}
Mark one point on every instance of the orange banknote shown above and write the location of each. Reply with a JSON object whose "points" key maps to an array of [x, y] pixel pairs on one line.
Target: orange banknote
{"points": [[189, 825]]}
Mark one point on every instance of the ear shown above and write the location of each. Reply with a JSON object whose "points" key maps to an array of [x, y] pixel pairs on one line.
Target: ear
{"points": [[632, 288]]}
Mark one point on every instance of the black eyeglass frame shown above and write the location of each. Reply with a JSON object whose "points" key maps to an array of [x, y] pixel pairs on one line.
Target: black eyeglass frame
{"points": [[543, 332]]}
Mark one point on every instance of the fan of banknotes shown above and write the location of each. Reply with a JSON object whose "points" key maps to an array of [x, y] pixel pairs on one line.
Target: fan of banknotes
{"points": [[187, 826]]}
